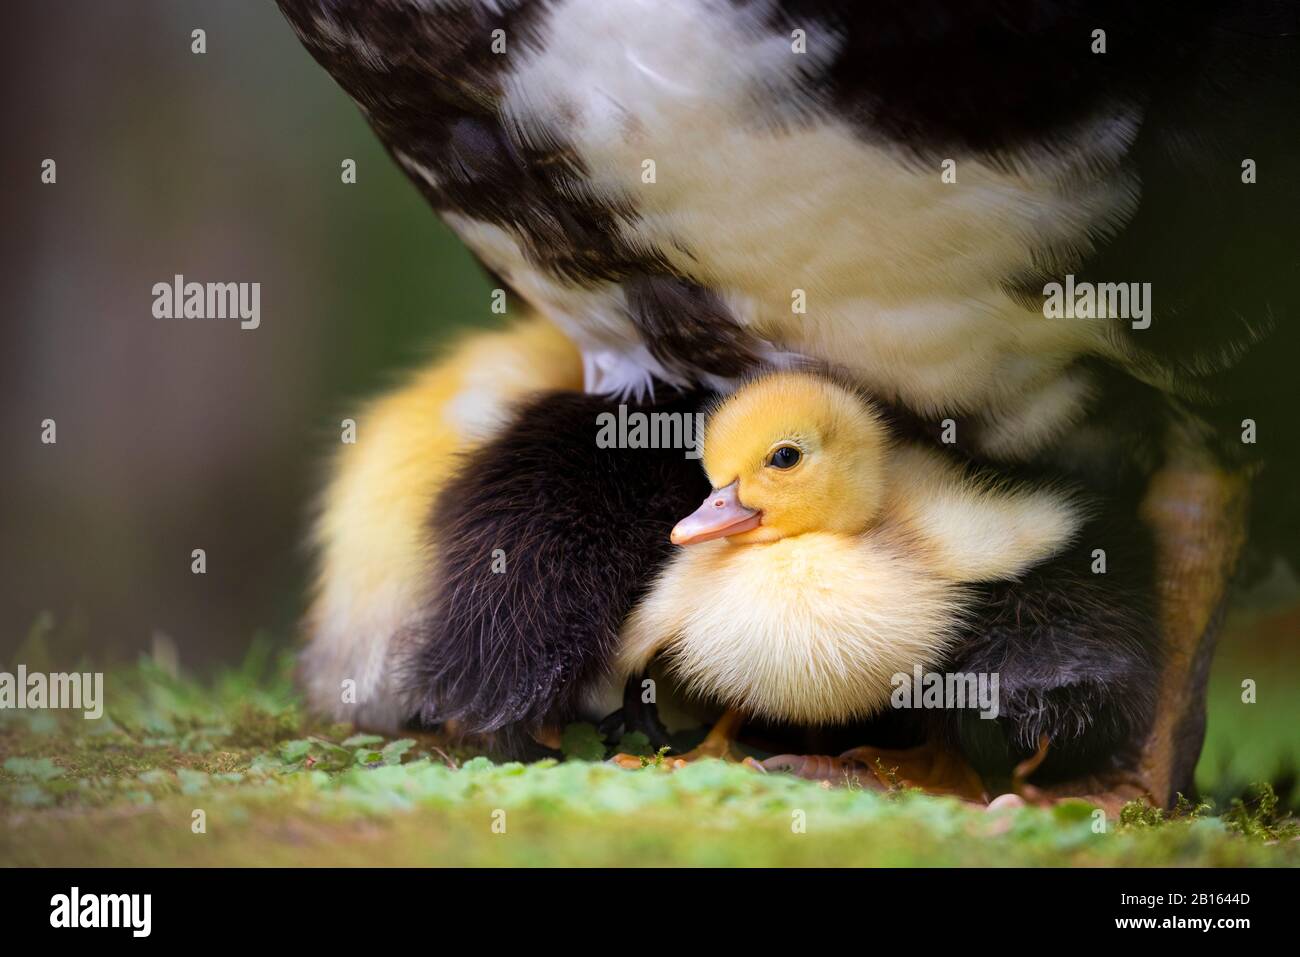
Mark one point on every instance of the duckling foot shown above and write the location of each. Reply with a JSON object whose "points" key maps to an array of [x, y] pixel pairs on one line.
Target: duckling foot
{"points": [[676, 761], [933, 769], [719, 743]]}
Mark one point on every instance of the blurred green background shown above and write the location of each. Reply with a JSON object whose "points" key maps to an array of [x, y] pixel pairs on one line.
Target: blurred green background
{"points": [[179, 435]]}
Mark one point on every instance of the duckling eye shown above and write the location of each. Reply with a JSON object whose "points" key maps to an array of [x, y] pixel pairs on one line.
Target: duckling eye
{"points": [[786, 457]]}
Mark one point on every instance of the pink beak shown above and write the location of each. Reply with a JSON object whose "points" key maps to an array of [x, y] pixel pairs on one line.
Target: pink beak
{"points": [[720, 515]]}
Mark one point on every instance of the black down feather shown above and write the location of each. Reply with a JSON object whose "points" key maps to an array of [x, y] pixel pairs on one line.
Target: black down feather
{"points": [[581, 532]]}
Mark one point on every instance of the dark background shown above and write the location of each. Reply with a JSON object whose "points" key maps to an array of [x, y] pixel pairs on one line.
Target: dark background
{"points": [[175, 435]]}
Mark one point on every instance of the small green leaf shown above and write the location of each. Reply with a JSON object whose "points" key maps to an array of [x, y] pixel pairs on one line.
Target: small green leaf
{"points": [[636, 742], [1073, 811], [295, 751], [192, 782], [393, 751], [327, 756], [41, 722], [42, 769], [32, 795], [362, 740], [582, 742]]}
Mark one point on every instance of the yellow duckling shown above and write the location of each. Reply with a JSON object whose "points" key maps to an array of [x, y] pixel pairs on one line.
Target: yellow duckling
{"points": [[829, 558]]}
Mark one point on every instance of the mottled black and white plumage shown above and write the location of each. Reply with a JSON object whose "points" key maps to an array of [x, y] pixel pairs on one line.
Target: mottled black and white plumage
{"points": [[664, 180], [777, 170]]}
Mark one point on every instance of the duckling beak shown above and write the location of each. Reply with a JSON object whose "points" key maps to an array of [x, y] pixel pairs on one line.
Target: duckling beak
{"points": [[720, 515]]}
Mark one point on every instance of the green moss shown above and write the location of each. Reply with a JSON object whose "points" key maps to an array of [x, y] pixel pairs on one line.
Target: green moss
{"points": [[1258, 816], [278, 788], [710, 813], [254, 727]]}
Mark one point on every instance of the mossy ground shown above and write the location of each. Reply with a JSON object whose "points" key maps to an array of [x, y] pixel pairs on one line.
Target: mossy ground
{"points": [[277, 789]]}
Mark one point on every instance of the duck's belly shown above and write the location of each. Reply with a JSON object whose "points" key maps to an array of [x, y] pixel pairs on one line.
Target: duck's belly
{"points": [[810, 630], [699, 153], [936, 351]]}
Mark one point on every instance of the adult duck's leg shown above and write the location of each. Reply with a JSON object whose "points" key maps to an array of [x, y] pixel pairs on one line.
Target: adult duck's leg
{"points": [[1198, 514]]}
